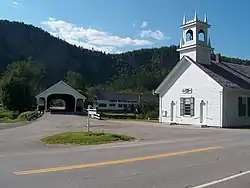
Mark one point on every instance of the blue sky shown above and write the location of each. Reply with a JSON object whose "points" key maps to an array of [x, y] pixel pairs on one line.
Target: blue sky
{"points": [[120, 25]]}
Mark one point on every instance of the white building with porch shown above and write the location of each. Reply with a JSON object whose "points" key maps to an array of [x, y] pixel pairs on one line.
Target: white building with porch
{"points": [[72, 98], [200, 91]]}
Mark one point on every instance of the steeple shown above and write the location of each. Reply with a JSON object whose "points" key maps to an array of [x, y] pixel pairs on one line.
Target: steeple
{"points": [[195, 16], [181, 42], [205, 18], [184, 20], [195, 42]]}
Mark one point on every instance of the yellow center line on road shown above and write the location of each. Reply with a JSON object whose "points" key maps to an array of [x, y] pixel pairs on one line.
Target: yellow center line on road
{"points": [[81, 166]]}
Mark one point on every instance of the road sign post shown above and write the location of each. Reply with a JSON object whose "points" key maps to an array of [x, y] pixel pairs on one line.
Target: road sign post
{"points": [[91, 111], [88, 123]]}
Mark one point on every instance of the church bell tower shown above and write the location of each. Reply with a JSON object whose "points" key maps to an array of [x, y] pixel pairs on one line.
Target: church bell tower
{"points": [[195, 42]]}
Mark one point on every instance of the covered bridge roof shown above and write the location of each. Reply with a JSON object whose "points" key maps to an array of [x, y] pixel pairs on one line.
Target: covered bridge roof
{"points": [[60, 88]]}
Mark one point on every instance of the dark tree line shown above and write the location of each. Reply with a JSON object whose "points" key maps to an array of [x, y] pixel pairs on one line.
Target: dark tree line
{"points": [[134, 70], [41, 60]]}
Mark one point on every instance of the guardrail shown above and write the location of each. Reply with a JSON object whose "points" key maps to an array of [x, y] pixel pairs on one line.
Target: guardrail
{"points": [[34, 115]]}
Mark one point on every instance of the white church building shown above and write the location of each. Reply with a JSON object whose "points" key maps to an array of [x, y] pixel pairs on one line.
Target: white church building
{"points": [[201, 91]]}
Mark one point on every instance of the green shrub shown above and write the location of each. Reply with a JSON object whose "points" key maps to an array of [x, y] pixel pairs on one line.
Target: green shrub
{"points": [[23, 115], [4, 119], [140, 116], [96, 133], [119, 116], [15, 114], [152, 115], [6, 114]]}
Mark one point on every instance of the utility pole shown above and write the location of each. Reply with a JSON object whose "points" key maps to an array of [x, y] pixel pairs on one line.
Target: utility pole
{"points": [[88, 119], [88, 123], [91, 112]]}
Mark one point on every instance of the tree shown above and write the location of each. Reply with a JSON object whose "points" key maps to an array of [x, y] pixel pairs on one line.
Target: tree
{"points": [[19, 85], [145, 107], [74, 79]]}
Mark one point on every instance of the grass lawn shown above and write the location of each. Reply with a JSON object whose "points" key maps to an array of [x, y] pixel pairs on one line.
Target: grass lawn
{"points": [[6, 116], [118, 113], [84, 138], [142, 120], [147, 120]]}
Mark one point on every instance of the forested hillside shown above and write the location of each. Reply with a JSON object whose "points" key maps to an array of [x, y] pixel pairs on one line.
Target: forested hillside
{"points": [[138, 70], [19, 41]]}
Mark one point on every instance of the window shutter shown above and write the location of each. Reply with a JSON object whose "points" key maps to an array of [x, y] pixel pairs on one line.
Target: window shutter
{"points": [[248, 106], [242, 106], [181, 106], [239, 105], [192, 106]]}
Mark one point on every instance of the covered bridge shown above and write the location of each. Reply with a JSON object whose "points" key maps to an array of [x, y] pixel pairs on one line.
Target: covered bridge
{"points": [[72, 98]]}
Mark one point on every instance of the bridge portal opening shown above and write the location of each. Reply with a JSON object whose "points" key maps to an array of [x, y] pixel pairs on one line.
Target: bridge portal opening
{"points": [[57, 104], [60, 97], [61, 102]]}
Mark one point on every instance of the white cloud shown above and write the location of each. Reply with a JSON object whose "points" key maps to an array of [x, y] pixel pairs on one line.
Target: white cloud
{"points": [[91, 38], [157, 34], [144, 24], [15, 3]]}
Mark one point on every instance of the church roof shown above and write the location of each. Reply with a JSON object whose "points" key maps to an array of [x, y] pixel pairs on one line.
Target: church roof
{"points": [[229, 75]]}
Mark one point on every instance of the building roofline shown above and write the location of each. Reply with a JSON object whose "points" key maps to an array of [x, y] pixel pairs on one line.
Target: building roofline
{"points": [[56, 85], [158, 89]]}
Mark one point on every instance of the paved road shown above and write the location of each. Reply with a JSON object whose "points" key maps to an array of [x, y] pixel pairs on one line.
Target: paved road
{"points": [[26, 138], [164, 157], [4, 126]]}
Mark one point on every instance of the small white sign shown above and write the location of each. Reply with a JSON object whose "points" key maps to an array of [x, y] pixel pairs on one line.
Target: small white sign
{"points": [[187, 91], [92, 111]]}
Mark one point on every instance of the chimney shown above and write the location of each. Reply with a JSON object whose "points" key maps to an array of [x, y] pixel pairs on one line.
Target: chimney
{"points": [[218, 58]]}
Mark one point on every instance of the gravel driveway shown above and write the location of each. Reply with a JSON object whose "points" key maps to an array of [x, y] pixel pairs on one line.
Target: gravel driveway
{"points": [[27, 137]]}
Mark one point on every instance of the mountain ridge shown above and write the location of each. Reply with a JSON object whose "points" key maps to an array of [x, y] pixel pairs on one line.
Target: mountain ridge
{"points": [[137, 70]]}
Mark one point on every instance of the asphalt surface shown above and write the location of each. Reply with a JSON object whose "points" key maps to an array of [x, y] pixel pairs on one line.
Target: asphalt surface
{"points": [[12, 125], [163, 157]]}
